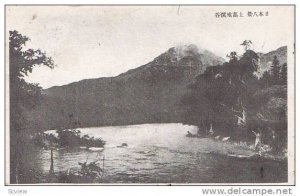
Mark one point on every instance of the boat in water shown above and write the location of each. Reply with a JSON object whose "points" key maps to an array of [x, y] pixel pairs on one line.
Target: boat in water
{"points": [[252, 156], [95, 149]]}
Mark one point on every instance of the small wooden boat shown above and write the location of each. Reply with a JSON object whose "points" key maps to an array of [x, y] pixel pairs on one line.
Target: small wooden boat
{"points": [[96, 149], [240, 155], [246, 157]]}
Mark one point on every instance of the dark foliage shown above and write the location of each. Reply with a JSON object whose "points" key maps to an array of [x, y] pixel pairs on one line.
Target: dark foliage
{"points": [[277, 75], [23, 96], [232, 99], [69, 138], [72, 138]]}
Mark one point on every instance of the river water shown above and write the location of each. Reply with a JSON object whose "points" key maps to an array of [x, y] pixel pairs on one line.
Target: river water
{"points": [[160, 153]]}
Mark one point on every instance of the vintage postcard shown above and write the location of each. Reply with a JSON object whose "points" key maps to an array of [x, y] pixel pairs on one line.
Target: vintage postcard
{"points": [[150, 95]]}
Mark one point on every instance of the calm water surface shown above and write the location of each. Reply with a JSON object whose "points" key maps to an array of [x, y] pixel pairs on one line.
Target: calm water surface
{"points": [[160, 153]]}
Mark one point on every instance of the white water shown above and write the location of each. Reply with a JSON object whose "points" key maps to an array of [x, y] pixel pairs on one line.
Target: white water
{"points": [[160, 153]]}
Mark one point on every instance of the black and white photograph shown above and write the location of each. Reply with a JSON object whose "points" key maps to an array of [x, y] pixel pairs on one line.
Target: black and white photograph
{"points": [[149, 94]]}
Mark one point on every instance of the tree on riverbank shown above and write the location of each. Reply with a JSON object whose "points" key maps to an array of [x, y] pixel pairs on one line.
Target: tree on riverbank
{"points": [[23, 96], [68, 138], [234, 101]]}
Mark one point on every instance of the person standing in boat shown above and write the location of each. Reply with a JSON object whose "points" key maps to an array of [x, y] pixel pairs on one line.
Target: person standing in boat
{"points": [[257, 143]]}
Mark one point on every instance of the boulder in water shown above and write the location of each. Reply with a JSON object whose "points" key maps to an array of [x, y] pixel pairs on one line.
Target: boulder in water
{"points": [[123, 145]]}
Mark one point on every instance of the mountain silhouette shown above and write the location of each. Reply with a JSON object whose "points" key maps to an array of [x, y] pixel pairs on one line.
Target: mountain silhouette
{"points": [[150, 93]]}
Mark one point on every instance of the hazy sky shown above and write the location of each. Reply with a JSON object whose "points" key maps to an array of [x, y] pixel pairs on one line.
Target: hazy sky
{"points": [[91, 42]]}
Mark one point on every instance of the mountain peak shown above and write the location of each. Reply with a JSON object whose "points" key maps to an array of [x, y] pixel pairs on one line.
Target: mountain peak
{"points": [[177, 59], [182, 51], [188, 55]]}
